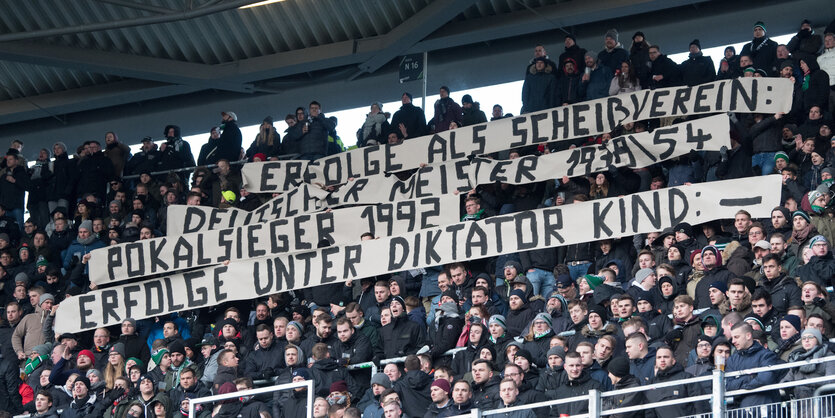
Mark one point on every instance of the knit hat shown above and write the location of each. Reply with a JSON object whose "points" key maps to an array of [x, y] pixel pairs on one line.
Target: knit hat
{"points": [[572, 36], [21, 278], [43, 349], [638, 33], [593, 280], [131, 320], [208, 339], [88, 225], [642, 274], [600, 311], [591, 54], [611, 33], [231, 114], [451, 293], [695, 42], [755, 318], [441, 383], [713, 249], [520, 293], [646, 296], [665, 279], [542, 316], [718, 285], [261, 156], [382, 380], [118, 348], [467, 99], [89, 355], [339, 386], [45, 297], [813, 332], [524, 353], [803, 215], [816, 239], [760, 24], [95, 372], [304, 373], [400, 300], [42, 261], [84, 380], [498, 320], [557, 351], [618, 366], [298, 326], [139, 363], [157, 356], [813, 195], [705, 338], [5, 237], [684, 228], [781, 155], [794, 320], [407, 94], [515, 264], [177, 346]]}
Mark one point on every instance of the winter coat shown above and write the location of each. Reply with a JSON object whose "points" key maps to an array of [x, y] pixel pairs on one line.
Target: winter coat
{"points": [[612, 59], [94, 173], [27, 333], [412, 117], [629, 399], [314, 142], [664, 66], [754, 356], [63, 179], [374, 130], [77, 249], [763, 52], [401, 337], [805, 45], [264, 363], [80, 408], [826, 62], [816, 92], [784, 293], [12, 194], [675, 372], [135, 346], [327, 371], [719, 273], [446, 111], [767, 135], [538, 347], [518, 320], [644, 368], [570, 388], [539, 91], [264, 147], [486, 395], [445, 337], [454, 410], [808, 371], [473, 115], [119, 154], [597, 86], [570, 89], [413, 388], [698, 69], [641, 64]]}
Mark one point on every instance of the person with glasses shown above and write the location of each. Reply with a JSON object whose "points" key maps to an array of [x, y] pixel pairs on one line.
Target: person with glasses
{"points": [[812, 347]]}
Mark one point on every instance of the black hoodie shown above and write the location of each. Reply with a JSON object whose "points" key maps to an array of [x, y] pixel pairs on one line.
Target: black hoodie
{"points": [[413, 388]]}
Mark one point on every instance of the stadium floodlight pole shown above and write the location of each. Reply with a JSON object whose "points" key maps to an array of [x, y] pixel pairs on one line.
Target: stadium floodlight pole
{"points": [[425, 73]]}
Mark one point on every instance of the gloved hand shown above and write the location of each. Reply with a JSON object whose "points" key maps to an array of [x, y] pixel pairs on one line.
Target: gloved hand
{"points": [[723, 153], [819, 302]]}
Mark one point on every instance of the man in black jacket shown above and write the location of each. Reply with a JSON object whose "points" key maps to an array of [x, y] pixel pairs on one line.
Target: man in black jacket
{"points": [[410, 120], [309, 137], [762, 50], [323, 334], [189, 388], [618, 369], [265, 361], [352, 347], [413, 388], [401, 337], [665, 72], [668, 370], [485, 387], [325, 371], [698, 69]]}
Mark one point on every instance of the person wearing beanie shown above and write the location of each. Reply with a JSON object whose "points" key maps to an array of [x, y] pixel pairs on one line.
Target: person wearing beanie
{"points": [[439, 392], [410, 120], [821, 266], [267, 142], [29, 331], [762, 50], [613, 54], [698, 68], [375, 129], [702, 362], [790, 328], [621, 378], [714, 271], [520, 313], [370, 402], [813, 346], [806, 44], [540, 88], [448, 114], [471, 112], [132, 345], [83, 401], [572, 52], [84, 242], [597, 77]]}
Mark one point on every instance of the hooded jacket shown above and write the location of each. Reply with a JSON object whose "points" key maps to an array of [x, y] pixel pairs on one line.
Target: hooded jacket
{"points": [[717, 273], [413, 388], [820, 270], [815, 89], [326, 371], [401, 337], [539, 91]]}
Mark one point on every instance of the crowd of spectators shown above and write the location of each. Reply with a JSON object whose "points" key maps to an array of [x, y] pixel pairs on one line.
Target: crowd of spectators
{"points": [[538, 325]]}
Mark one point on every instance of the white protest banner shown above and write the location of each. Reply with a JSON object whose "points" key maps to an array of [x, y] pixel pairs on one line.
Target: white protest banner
{"points": [[634, 150], [542, 228], [303, 199], [746, 95], [263, 176], [172, 253]]}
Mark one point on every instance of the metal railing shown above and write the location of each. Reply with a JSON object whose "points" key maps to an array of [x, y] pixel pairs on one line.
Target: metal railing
{"points": [[268, 389], [821, 406]]}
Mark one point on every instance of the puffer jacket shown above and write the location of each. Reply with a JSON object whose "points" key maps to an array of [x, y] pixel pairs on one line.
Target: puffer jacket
{"points": [[749, 358]]}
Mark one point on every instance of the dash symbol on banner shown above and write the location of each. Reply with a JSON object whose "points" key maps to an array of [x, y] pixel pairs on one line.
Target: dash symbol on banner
{"points": [[744, 201]]}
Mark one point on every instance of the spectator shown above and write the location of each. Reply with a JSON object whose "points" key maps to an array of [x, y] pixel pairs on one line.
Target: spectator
{"points": [[783, 289], [806, 45], [697, 69], [813, 347], [596, 80], [574, 53], [471, 112], [485, 386], [94, 172], [612, 55], [461, 400], [622, 379], [750, 354], [821, 266], [14, 182], [83, 402], [447, 113], [625, 80], [813, 86], [117, 152], [665, 73], [509, 397], [577, 381], [175, 152], [27, 333], [668, 369], [826, 62], [570, 81], [267, 142], [375, 129], [639, 58], [729, 65], [410, 120], [309, 137], [789, 336], [762, 50], [539, 92]]}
